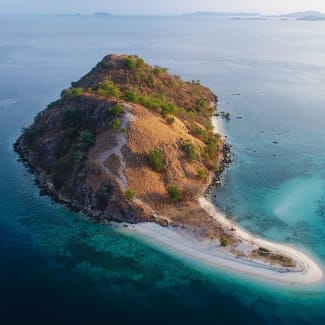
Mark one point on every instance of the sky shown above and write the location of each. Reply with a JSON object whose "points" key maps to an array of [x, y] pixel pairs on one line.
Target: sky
{"points": [[137, 7]]}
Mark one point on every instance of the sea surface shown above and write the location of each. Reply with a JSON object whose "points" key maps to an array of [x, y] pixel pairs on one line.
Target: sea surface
{"points": [[58, 267]]}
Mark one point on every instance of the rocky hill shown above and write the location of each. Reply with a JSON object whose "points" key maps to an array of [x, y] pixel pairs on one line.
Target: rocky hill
{"points": [[127, 142]]}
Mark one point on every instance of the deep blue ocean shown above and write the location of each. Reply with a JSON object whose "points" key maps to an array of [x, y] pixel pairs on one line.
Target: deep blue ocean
{"points": [[57, 267]]}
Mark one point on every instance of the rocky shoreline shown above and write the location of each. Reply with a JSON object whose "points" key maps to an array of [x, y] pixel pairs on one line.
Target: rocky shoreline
{"points": [[224, 164]]}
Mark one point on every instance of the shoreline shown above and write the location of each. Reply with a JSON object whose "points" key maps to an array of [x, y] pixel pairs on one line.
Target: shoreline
{"points": [[209, 251]]}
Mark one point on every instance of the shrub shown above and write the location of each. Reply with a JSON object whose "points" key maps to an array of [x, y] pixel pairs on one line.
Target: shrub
{"points": [[107, 88], [87, 139], [129, 96], [168, 109], [174, 193], [129, 62], [190, 150], [71, 118], [140, 62], [155, 159], [149, 102], [116, 124], [72, 92], [201, 174], [201, 103], [211, 148], [224, 241], [130, 194], [157, 70], [202, 134], [116, 109]]}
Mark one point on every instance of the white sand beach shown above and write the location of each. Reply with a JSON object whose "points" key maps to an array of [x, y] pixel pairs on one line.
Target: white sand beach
{"points": [[209, 252]]}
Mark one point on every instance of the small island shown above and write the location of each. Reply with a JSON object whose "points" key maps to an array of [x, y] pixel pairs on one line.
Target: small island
{"points": [[131, 143]]}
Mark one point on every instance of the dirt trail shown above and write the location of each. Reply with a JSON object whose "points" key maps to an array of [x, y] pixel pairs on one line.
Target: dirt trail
{"points": [[121, 140]]}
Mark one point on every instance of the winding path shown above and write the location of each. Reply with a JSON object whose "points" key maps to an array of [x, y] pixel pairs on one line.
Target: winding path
{"points": [[121, 140]]}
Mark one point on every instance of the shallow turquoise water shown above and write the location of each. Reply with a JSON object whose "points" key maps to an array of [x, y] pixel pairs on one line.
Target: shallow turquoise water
{"points": [[57, 266]]}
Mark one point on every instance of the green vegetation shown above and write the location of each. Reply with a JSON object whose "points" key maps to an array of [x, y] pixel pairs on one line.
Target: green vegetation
{"points": [[135, 81], [107, 88], [168, 109], [71, 118], [130, 63], [190, 150], [72, 92], [130, 194], [224, 241], [201, 174], [130, 96], [116, 124], [87, 139], [174, 193], [115, 110], [156, 160], [149, 102]]}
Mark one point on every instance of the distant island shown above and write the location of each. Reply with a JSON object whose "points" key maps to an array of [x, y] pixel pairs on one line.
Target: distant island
{"points": [[102, 14], [133, 144], [302, 14], [306, 15], [223, 14], [312, 18]]}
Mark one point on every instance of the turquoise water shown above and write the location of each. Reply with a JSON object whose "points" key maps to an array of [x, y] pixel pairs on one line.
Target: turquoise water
{"points": [[57, 266]]}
